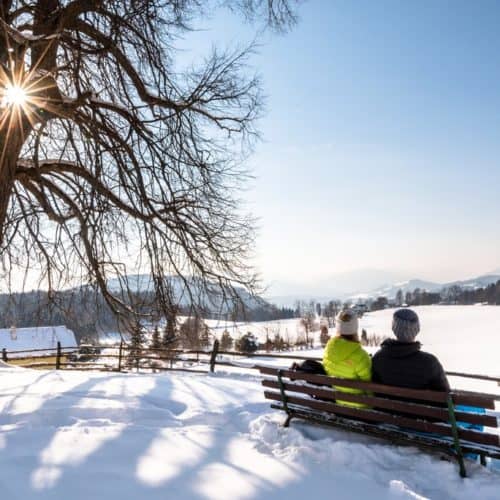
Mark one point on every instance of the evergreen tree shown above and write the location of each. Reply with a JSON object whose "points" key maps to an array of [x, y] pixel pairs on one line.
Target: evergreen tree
{"points": [[135, 345], [268, 344], [155, 339], [278, 342], [399, 298], [226, 341], [247, 344], [204, 336], [194, 334], [379, 303]]}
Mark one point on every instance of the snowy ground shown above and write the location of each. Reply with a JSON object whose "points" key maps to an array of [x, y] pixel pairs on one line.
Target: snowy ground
{"points": [[465, 338], [70, 435]]}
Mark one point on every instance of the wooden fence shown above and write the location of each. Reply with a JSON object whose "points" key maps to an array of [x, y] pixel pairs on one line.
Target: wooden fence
{"points": [[123, 359]]}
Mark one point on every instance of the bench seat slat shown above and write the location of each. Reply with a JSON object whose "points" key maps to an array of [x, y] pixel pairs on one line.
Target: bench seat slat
{"points": [[380, 417], [388, 404], [459, 397]]}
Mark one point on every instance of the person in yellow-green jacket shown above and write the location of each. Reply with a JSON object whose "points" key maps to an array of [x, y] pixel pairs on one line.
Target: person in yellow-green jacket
{"points": [[345, 358]]}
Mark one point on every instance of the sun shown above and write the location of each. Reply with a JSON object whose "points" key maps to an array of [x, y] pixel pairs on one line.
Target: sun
{"points": [[14, 95]]}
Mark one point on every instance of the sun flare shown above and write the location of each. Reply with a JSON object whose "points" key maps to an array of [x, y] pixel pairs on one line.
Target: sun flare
{"points": [[14, 95]]}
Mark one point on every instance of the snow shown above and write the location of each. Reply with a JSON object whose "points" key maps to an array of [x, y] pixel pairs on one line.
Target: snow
{"points": [[464, 338], [125, 436], [42, 337], [79, 435], [287, 328]]}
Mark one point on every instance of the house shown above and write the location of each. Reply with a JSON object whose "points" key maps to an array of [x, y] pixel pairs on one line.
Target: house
{"points": [[37, 337], [360, 309]]}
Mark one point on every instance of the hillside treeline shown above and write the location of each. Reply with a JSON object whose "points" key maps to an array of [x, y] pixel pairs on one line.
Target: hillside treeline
{"points": [[450, 295], [86, 313]]}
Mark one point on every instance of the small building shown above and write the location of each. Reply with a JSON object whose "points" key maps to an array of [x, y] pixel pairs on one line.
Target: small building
{"points": [[37, 337]]}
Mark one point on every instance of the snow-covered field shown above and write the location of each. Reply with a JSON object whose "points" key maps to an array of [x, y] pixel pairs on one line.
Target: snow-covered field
{"points": [[465, 338], [69, 435], [286, 328], [74, 435]]}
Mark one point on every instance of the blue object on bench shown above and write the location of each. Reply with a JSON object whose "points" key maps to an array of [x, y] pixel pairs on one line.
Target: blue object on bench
{"points": [[474, 427], [470, 409]]}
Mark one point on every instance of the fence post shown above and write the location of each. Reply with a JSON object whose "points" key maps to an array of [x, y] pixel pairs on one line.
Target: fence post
{"points": [[213, 356], [4, 354], [120, 354], [58, 356]]}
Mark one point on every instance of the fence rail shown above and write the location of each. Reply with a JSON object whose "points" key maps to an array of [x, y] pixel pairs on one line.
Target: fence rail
{"points": [[152, 359]]}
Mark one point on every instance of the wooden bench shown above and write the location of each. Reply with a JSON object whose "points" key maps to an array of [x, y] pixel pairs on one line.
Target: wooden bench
{"points": [[427, 419]]}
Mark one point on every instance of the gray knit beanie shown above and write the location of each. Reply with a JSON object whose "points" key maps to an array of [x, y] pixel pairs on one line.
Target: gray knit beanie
{"points": [[405, 325]]}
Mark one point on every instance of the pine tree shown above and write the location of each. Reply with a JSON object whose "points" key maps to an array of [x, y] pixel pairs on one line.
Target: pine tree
{"points": [[248, 343], [226, 341], [190, 333], [204, 336], [278, 342], [268, 344], [155, 339], [135, 345]]}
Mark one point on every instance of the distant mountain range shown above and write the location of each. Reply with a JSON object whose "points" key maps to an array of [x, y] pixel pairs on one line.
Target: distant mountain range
{"points": [[340, 287], [430, 286], [334, 286], [185, 292]]}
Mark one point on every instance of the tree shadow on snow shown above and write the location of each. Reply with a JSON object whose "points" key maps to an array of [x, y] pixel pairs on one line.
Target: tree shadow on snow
{"points": [[51, 451]]}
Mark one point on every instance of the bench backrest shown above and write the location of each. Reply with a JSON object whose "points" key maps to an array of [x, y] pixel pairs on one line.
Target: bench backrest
{"points": [[419, 410]]}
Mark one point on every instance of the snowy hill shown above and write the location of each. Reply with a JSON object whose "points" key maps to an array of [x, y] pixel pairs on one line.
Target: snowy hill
{"points": [[479, 282], [352, 286], [465, 338], [390, 291], [213, 299]]}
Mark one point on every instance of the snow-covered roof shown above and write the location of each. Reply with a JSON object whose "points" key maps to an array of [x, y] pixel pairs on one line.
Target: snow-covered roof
{"points": [[40, 337]]}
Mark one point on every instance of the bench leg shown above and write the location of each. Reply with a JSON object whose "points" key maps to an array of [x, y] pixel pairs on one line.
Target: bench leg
{"points": [[456, 438], [483, 460], [460, 460], [286, 423]]}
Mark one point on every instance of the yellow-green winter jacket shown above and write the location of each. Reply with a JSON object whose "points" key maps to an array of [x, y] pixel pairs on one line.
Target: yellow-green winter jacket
{"points": [[347, 359]]}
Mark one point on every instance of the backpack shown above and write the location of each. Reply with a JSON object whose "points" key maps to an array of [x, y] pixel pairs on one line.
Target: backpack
{"points": [[309, 366]]}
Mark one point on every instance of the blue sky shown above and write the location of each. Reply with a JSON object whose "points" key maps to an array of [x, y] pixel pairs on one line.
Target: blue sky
{"points": [[381, 139]]}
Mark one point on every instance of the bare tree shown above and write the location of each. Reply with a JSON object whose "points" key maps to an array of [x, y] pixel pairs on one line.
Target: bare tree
{"points": [[324, 336], [112, 158]]}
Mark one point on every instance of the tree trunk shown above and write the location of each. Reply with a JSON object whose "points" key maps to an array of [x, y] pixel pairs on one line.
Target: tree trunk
{"points": [[11, 143]]}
